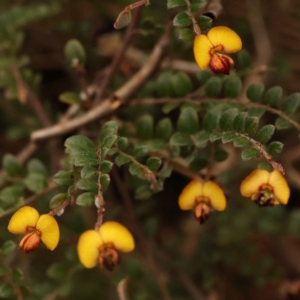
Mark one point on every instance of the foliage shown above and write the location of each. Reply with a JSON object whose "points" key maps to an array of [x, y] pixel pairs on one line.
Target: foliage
{"points": [[118, 145]]}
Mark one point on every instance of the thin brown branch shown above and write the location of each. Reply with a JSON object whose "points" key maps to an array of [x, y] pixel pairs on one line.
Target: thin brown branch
{"points": [[121, 52], [146, 246], [158, 101], [191, 287], [122, 289], [258, 146], [29, 200], [107, 106], [196, 27]]}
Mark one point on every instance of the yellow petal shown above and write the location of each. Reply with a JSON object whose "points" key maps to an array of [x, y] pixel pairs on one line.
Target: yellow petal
{"points": [[22, 219], [252, 183], [216, 195], [88, 248], [49, 230], [202, 47], [225, 37], [119, 235], [188, 197], [281, 189]]}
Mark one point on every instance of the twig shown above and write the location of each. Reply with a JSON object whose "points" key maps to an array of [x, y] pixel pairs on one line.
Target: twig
{"points": [[196, 27], [122, 289], [158, 101], [29, 200], [107, 106], [146, 171], [258, 146], [121, 52], [148, 256], [190, 286]]}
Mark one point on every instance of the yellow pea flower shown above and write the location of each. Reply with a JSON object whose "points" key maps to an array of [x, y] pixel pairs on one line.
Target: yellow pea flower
{"points": [[208, 49], [202, 197], [102, 245], [37, 228], [266, 188]]}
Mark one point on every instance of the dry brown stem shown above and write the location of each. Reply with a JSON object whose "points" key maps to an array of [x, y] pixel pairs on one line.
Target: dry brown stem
{"points": [[108, 106]]}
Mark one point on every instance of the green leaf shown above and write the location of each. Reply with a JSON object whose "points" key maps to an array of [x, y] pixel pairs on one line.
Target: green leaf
{"points": [[204, 23], [291, 104], [135, 169], [175, 3], [106, 166], [35, 182], [250, 153], [213, 87], [143, 192], [17, 275], [255, 91], [140, 150], [123, 143], [164, 129], [70, 98], [87, 172], [75, 53], [203, 76], [124, 19], [241, 141], [232, 87], [265, 166], [57, 200], [227, 118], [57, 271], [181, 84], [181, 139], [11, 195], [201, 138], [108, 140], [282, 123], [87, 184], [186, 34], [168, 107], [182, 20], [215, 136], [11, 165], [144, 127], [188, 121], [244, 59], [121, 160], [82, 150], [164, 84], [8, 247], [251, 125], [256, 112], [6, 290], [239, 121], [157, 145], [198, 163], [275, 148], [104, 181], [265, 133], [221, 155], [211, 120], [153, 163], [36, 166], [86, 199], [228, 137], [63, 178], [196, 5], [108, 127], [273, 95]]}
